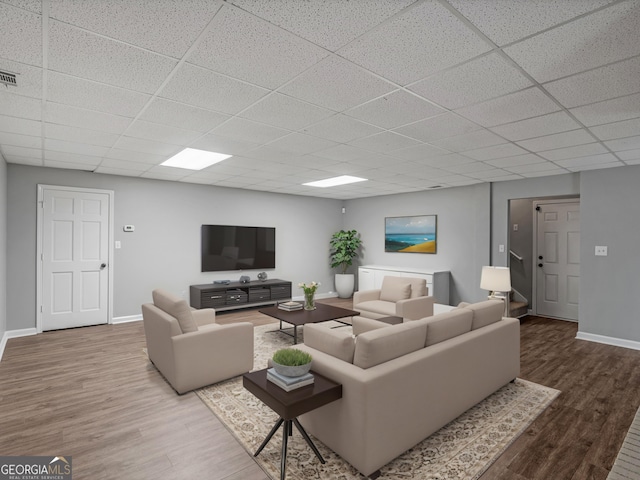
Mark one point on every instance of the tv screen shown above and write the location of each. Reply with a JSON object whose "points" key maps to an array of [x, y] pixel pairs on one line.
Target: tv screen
{"points": [[233, 247]]}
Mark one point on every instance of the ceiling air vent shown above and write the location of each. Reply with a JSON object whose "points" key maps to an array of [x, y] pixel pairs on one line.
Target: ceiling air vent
{"points": [[8, 78]]}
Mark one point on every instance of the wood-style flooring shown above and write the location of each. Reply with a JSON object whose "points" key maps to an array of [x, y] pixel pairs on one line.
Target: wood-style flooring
{"points": [[91, 393]]}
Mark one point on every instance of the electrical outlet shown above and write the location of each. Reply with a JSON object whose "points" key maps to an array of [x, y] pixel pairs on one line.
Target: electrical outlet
{"points": [[601, 251]]}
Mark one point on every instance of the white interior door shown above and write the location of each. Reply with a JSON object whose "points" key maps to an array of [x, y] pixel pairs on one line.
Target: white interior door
{"points": [[558, 260], [75, 239]]}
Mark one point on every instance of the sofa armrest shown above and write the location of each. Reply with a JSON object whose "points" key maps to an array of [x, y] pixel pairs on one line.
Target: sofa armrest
{"points": [[205, 316], [363, 325], [365, 296], [415, 308]]}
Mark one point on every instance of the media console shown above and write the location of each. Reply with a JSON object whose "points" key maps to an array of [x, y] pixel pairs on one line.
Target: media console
{"points": [[234, 295]]}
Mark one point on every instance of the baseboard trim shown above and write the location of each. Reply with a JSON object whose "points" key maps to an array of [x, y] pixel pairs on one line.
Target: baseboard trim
{"points": [[616, 342], [127, 319], [24, 332]]}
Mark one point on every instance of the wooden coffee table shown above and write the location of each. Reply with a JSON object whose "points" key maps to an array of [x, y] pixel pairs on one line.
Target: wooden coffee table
{"points": [[290, 405], [322, 313]]}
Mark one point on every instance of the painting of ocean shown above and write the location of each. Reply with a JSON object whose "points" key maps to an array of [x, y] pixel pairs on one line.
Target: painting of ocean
{"points": [[416, 234]]}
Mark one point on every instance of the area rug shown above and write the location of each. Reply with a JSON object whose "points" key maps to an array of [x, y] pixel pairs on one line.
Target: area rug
{"points": [[461, 450], [627, 464]]}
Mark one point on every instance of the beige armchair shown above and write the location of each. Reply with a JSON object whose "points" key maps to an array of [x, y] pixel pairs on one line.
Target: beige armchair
{"points": [[189, 348], [405, 297]]}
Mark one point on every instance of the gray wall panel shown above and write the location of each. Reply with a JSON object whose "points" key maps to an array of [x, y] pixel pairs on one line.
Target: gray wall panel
{"points": [[3, 246]]}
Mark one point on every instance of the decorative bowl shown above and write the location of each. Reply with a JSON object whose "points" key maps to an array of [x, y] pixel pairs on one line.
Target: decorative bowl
{"points": [[291, 370]]}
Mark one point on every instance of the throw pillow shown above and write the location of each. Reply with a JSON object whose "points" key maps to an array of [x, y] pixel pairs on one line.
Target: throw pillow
{"points": [[177, 308], [379, 346], [485, 313], [336, 343]]}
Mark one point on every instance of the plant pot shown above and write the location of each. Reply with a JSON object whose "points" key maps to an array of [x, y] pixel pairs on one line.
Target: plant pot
{"points": [[291, 370], [345, 284]]}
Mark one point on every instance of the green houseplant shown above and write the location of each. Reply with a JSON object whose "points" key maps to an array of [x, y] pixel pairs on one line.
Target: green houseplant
{"points": [[345, 247], [291, 362]]}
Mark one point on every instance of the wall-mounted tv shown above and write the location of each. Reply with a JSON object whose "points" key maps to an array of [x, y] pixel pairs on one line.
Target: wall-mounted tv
{"points": [[235, 247]]}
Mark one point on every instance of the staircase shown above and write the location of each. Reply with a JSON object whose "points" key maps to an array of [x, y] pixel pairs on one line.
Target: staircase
{"points": [[517, 309]]}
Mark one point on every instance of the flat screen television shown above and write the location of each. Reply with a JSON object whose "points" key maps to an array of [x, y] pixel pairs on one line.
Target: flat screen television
{"points": [[235, 247]]}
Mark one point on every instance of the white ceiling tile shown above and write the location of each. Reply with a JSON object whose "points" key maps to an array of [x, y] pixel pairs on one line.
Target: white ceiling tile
{"points": [[543, 166], [19, 106], [28, 78], [504, 22], [285, 112], [476, 139], [580, 45], [69, 165], [25, 152], [587, 160], [67, 157], [94, 96], [609, 111], [343, 153], [379, 161], [510, 108], [596, 85], [35, 161], [272, 154], [165, 173], [396, 50], [629, 155], [167, 27], [161, 133], [181, 115], [341, 128], [506, 162], [146, 146], [22, 126], [419, 152], [610, 131], [243, 46], [476, 81], [595, 166], [442, 126], [90, 119], [18, 140], [445, 161], [302, 144], [79, 135], [246, 130], [329, 24], [545, 173], [468, 168], [494, 175], [125, 165], [75, 147], [203, 88], [496, 151], [621, 144], [21, 35], [395, 109], [537, 127], [558, 140], [384, 142], [133, 156], [94, 57], [574, 152], [32, 5], [337, 84], [216, 143]]}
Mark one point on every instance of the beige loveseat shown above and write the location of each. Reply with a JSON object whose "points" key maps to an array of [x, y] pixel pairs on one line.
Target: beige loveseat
{"points": [[189, 348], [405, 297], [401, 383]]}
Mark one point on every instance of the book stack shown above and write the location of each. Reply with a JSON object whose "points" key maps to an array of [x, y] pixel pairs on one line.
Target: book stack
{"points": [[289, 383], [290, 306]]}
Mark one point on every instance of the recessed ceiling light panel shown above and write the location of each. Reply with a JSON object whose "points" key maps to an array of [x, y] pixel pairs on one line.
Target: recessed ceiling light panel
{"points": [[335, 181], [193, 159]]}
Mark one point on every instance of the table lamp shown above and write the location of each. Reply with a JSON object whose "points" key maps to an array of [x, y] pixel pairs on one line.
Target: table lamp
{"points": [[497, 279]]}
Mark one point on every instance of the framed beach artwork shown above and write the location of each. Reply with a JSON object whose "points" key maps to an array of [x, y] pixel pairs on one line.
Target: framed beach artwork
{"points": [[416, 234]]}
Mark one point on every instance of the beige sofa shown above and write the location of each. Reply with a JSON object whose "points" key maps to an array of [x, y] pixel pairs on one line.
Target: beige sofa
{"points": [[189, 348], [401, 383], [405, 297]]}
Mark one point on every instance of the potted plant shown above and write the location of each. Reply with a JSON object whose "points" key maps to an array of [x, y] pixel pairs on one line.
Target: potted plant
{"points": [[345, 246], [291, 362]]}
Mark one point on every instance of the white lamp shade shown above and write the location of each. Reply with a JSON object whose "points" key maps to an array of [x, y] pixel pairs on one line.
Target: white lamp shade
{"points": [[495, 279]]}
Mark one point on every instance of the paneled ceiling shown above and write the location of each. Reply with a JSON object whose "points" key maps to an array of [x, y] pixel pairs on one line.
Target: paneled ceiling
{"points": [[411, 95]]}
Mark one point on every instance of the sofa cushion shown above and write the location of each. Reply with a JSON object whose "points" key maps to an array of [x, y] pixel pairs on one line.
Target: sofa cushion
{"points": [[336, 343], [177, 308], [379, 346], [418, 287], [388, 309], [448, 325], [485, 313], [394, 289]]}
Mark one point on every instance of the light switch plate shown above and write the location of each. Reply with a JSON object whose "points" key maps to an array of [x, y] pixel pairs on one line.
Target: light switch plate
{"points": [[501, 248], [601, 251]]}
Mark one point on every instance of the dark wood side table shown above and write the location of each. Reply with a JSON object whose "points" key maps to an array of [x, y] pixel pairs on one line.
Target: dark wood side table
{"points": [[290, 405]]}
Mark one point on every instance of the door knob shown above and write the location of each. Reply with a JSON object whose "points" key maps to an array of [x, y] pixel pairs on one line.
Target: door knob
{"points": [[540, 265], [539, 257], [103, 265]]}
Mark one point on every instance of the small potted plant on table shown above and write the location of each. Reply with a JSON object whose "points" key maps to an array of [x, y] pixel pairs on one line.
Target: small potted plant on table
{"points": [[291, 362]]}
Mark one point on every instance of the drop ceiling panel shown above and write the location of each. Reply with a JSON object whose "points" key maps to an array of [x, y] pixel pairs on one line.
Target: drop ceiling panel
{"points": [[77, 117], [181, 115], [609, 111], [169, 27], [138, 167], [341, 128], [133, 156], [86, 160], [86, 55], [82, 135], [476, 139], [507, 162], [19, 106], [70, 165], [205, 89], [496, 151], [31, 155], [587, 160], [573, 152], [18, 140], [161, 133], [419, 152], [245, 47], [476, 81], [543, 166], [559, 140], [621, 144], [510, 108], [28, 78], [384, 142], [21, 35], [22, 126], [611, 131], [395, 109], [217, 143], [285, 112], [242, 129], [537, 127], [146, 146], [629, 156], [343, 153], [580, 45], [396, 49], [302, 144], [75, 147], [336, 84], [444, 161], [441, 126]]}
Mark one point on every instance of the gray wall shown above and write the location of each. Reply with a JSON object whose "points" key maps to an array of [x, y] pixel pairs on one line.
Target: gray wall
{"points": [[463, 233], [610, 286], [164, 250], [3, 246]]}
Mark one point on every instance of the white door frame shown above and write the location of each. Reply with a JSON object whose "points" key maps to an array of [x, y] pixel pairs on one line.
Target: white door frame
{"points": [[534, 257], [39, 252]]}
